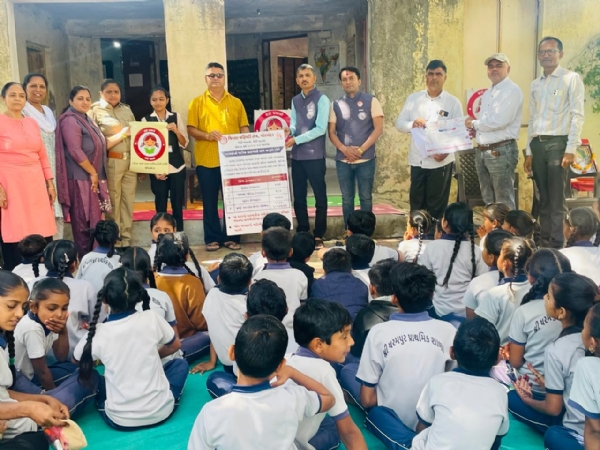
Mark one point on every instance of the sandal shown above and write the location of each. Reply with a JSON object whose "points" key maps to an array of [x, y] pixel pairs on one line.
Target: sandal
{"points": [[232, 245], [213, 247], [319, 243]]}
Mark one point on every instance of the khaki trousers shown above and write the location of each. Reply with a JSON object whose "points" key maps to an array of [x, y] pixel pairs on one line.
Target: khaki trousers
{"points": [[121, 187]]}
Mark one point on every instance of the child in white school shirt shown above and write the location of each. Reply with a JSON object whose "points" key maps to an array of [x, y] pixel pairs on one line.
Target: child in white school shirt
{"points": [[225, 310], [322, 329], [570, 297], [163, 223], [487, 280], [494, 215], [31, 249], [531, 328], [41, 330], [500, 302], [271, 220], [100, 261], [581, 225], [277, 247], [138, 391], [585, 392], [460, 410], [420, 228], [455, 262], [259, 414], [60, 259], [403, 354], [361, 249]]}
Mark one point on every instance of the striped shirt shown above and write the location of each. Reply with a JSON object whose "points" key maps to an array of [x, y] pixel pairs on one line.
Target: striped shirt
{"points": [[556, 107]]}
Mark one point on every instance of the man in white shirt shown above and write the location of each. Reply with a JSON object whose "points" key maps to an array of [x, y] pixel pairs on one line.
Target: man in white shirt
{"points": [[496, 132], [555, 123], [429, 177]]}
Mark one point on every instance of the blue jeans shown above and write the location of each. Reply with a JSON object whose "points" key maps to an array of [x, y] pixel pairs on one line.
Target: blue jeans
{"points": [[561, 438], [176, 372], [529, 416], [349, 382], [195, 346], [496, 172], [385, 424], [349, 175]]}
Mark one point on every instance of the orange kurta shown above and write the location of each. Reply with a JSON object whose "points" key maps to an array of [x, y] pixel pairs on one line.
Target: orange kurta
{"points": [[24, 169]]}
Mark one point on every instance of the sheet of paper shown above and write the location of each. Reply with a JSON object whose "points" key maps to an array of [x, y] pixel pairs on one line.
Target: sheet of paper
{"points": [[420, 139], [447, 136], [173, 169]]}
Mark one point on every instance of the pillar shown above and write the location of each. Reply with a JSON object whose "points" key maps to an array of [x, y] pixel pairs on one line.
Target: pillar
{"points": [[9, 68], [403, 36], [195, 36]]}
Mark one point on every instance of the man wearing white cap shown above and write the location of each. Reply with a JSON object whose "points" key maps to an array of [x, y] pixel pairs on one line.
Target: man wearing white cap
{"points": [[496, 132]]}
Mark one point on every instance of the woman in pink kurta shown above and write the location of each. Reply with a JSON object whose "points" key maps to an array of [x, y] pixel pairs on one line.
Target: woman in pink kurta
{"points": [[26, 180]]}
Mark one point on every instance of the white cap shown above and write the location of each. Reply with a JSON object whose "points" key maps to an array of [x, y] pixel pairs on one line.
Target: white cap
{"points": [[498, 57]]}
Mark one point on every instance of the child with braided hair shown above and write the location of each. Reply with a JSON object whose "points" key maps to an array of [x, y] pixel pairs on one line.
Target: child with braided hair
{"points": [[138, 391], [455, 260], [531, 328], [31, 249], [14, 294], [100, 261], [420, 229], [186, 291], [498, 304], [60, 259], [581, 226], [522, 224]]}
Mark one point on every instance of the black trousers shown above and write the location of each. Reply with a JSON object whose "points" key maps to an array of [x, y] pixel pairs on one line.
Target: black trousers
{"points": [[553, 184], [173, 186], [430, 189], [26, 441], [312, 171]]}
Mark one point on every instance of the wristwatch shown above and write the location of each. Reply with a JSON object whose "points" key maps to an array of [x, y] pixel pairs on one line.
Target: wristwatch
{"points": [[360, 150]]}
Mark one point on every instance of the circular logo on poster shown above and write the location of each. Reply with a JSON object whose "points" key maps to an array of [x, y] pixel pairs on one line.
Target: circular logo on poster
{"points": [[149, 144], [272, 120], [474, 103]]}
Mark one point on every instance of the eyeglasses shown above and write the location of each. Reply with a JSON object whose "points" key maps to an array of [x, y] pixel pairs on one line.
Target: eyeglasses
{"points": [[550, 52], [212, 76]]}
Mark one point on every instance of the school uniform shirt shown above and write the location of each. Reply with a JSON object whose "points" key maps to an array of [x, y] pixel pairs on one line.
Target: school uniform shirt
{"points": [[204, 274], [82, 302], [407, 351], [254, 417], [258, 262], [187, 294], [15, 426], [96, 265], [310, 364], [436, 257], [137, 390], [584, 259], [292, 344], [410, 248], [585, 391], [363, 275], [293, 282], [498, 304], [533, 329], [224, 314], [25, 271], [480, 285], [466, 411], [560, 361], [32, 341]]}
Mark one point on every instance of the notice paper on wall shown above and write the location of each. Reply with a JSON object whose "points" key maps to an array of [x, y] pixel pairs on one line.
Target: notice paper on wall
{"points": [[255, 179]]}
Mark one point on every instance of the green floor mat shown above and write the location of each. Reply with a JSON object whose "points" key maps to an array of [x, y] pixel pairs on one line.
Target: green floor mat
{"points": [[174, 433]]}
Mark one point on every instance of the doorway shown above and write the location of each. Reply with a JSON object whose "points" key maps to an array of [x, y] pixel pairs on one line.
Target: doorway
{"points": [[243, 82], [286, 76]]}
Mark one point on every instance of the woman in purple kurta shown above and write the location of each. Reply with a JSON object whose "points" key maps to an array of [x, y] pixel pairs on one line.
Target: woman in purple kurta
{"points": [[80, 168]]}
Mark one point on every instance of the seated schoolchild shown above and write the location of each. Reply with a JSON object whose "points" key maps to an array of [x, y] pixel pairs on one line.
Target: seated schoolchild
{"points": [[271, 220], [138, 390], [420, 228], [42, 330], [406, 351], [31, 249], [163, 223], [277, 248], [225, 310], [258, 414], [379, 309], [570, 297], [102, 260], [361, 249], [522, 224], [303, 246], [339, 284], [463, 409], [322, 330], [487, 280], [186, 291], [583, 237]]}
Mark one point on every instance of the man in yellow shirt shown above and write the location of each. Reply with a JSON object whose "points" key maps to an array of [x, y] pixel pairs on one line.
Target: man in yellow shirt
{"points": [[211, 115]]}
